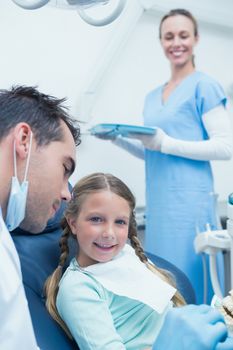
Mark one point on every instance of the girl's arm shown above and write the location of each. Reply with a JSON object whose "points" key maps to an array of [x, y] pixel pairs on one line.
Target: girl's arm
{"points": [[85, 311]]}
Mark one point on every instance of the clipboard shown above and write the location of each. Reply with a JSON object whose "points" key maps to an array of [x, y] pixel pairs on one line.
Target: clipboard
{"points": [[121, 129]]}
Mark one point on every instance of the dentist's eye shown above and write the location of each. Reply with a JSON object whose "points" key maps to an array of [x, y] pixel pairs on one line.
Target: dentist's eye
{"points": [[66, 170]]}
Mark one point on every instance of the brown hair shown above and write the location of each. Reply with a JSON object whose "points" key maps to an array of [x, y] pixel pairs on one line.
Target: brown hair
{"points": [[44, 113], [88, 185]]}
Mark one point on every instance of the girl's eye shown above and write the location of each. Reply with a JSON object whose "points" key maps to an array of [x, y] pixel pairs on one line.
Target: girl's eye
{"points": [[121, 222], [95, 219]]}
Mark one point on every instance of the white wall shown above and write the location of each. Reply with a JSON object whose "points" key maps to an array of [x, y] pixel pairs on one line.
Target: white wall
{"points": [[56, 50], [50, 47]]}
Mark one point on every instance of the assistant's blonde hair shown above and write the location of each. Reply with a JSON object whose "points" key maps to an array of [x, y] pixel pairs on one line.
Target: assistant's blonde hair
{"points": [[88, 185]]}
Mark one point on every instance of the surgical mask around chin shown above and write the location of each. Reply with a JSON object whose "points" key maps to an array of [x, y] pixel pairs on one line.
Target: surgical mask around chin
{"points": [[18, 195]]}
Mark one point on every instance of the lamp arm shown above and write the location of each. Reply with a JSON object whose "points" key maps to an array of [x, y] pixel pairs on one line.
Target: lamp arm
{"points": [[107, 20]]}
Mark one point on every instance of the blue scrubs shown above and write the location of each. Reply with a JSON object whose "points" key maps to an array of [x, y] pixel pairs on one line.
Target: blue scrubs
{"points": [[179, 194]]}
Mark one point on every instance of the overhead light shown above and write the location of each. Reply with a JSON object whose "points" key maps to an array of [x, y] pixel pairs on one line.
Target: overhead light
{"points": [[84, 8], [30, 4]]}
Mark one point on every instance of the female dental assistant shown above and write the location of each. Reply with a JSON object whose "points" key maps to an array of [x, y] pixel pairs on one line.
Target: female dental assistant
{"points": [[192, 129]]}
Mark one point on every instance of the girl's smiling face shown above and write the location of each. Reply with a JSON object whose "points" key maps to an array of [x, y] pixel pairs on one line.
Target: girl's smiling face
{"points": [[101, 227]]}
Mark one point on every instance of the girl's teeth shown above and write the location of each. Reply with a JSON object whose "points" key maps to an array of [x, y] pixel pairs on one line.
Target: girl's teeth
{"points": [[103, 245]]}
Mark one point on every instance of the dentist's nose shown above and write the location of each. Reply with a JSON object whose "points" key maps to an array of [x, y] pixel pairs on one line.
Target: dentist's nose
{"points": [[65, 194]]}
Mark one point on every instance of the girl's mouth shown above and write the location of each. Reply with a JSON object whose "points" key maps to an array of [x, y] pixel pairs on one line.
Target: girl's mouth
{"points": [[104, 246]]}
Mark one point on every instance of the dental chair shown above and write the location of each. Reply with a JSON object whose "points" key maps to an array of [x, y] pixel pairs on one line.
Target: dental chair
{"points": [[39, 255], [182, 282]]}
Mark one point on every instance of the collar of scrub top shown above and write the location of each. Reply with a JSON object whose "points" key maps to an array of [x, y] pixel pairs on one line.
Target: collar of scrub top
{"points": [[126, 275]]}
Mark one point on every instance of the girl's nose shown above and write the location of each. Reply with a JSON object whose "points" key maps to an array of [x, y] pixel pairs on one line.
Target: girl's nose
{"points": [[108, 232]]}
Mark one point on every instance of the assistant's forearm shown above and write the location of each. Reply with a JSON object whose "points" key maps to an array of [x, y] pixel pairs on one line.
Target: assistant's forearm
{"points": [[214, 149], [217, 147], [134, 147]]}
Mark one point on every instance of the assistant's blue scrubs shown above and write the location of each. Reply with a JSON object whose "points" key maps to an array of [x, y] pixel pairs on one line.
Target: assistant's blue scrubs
{"points": [[179, 191]]}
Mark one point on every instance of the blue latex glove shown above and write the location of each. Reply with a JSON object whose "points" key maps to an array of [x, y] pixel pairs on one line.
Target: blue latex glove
{"points": [[192, 327], [226, 345], [112, 135]]}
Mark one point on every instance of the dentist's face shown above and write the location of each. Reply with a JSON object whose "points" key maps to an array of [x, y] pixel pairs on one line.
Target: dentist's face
{"points": [[49, 170], [101, 227], [178, 40]]}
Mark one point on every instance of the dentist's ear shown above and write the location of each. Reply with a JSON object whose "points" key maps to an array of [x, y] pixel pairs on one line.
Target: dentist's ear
{"points": [[22, 136]]}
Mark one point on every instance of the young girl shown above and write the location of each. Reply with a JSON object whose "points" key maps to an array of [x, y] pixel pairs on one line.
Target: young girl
{"points": [[111, 296]]}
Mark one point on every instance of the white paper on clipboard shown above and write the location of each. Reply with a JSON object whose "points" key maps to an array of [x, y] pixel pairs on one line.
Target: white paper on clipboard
{"points": [[125, 130]]}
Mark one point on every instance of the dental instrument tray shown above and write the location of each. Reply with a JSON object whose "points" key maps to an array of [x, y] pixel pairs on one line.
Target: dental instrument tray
{"points": [[121, 129]]}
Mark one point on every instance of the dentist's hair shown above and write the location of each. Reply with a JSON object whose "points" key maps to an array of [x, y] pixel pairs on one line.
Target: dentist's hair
{"points": [[88, 185], [43, 113]]}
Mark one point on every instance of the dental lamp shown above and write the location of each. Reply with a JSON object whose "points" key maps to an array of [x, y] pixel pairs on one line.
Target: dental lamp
{"points": [[80, 5]]}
